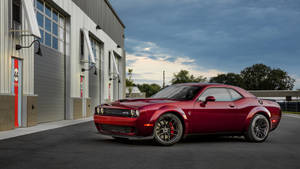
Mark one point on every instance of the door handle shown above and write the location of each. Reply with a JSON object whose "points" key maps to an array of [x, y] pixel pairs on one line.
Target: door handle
{"points": [[231, 105]]}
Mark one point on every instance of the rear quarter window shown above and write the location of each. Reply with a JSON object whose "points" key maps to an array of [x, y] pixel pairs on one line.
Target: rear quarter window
{"points": [[235, 95]]}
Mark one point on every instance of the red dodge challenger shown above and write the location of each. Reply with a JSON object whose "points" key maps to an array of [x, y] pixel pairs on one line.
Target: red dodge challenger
{"points": [[191, 108]]}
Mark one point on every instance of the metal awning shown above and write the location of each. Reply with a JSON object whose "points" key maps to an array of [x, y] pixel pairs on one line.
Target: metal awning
{"points": [[89, 46], [31, 17]]}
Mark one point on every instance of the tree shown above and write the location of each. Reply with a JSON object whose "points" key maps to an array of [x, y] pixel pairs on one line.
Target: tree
{"points": [[229, 78], [129, 81], [280, 80], [255, 77], [149, 89], [262, 77], [184, 77]]}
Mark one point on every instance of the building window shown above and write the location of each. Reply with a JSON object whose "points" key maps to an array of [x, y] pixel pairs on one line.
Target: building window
{"points": [[52, 25], [82, 45], [109, 62], [17, 11]]}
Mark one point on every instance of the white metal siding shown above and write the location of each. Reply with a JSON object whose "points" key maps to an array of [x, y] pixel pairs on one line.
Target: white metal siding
{"points": [[7, 49], [77, 20]]}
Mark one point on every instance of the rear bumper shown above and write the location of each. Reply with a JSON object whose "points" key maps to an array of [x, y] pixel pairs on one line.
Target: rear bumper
{"points": [[275, 120], [122, 126]]}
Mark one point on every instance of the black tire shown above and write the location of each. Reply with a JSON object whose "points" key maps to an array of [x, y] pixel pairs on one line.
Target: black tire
{"points": [[258, 129], [168, 130]]}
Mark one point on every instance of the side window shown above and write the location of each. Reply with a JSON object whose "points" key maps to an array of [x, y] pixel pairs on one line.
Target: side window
{"points": [[16, 11], [220, 94], [235, 95], [109, 62], [82, 45]]}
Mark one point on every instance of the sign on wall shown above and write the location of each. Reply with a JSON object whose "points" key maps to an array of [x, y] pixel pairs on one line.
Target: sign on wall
{"points": [[81, 86], [16, 78]]}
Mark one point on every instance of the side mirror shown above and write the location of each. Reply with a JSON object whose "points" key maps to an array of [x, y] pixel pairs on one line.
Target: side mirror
{"points": [[210, 99]]}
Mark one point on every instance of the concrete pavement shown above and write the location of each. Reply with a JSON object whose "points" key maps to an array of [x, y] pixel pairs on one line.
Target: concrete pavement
{"points": [[79, 146], [41, 127]]}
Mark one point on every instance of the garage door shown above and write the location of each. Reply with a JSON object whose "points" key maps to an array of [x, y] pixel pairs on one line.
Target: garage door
{"points": [[49, 84], [94, 79]]}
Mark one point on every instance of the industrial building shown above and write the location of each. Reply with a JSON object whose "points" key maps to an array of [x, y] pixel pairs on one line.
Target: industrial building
{"points": [[58, 59]]}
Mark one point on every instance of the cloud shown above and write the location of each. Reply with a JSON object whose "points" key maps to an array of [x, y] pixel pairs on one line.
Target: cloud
{"points": [[227, 35], [148, 65]]}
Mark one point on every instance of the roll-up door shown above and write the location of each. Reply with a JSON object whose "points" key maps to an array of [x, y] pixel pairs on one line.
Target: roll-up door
{"points": [[94, 75], [49, 85]]}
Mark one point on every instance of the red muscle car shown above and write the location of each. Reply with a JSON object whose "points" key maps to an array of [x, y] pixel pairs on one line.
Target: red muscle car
{"points": [[191, 108]]}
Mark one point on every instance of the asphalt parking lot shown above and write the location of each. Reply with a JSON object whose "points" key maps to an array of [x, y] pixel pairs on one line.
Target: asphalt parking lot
{"points": [[80, 147]]}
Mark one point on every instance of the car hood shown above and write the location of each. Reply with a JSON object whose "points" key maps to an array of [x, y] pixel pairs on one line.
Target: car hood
{"points": [[139, 103]]}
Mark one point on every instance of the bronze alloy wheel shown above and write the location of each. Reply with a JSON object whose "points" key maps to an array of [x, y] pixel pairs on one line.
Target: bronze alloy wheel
{"points": [[168, 129]]}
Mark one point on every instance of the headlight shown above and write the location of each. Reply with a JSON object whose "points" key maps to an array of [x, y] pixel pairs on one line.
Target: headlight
{"points": [[97, 110], [135, 113]]}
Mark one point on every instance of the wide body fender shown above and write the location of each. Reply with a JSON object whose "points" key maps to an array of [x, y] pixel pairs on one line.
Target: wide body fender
{"points": [[171, 109], [253, 112]]}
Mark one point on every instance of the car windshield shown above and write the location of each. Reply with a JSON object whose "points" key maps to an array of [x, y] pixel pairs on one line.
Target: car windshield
{"points": [[178, 92]]}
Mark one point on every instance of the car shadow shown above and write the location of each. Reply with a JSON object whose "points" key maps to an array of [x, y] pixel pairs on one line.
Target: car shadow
{"points": [[212, 139], [190, 139]]}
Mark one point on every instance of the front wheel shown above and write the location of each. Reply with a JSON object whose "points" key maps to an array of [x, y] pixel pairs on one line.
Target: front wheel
{"points": [[168, 129], [258, 129]]}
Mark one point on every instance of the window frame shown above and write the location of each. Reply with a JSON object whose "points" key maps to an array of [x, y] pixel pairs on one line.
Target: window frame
{"points": [[226, 88], [61, 26]]}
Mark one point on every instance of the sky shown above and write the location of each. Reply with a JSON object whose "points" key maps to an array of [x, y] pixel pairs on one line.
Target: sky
{"points": [[209, 37]]}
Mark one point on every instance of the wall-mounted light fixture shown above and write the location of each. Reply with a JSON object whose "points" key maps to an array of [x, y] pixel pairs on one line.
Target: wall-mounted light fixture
{"points": [[98, 27], [93, 66], [39, 52]]}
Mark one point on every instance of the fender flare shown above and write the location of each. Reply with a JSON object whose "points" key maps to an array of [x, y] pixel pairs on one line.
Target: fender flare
{"points": [[165, 109], [253, 112]]}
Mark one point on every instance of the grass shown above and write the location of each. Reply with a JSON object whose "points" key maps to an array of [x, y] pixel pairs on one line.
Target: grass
{"points": [[291, 112]]}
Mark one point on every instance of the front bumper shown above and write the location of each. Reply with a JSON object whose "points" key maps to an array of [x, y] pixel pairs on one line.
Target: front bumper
{"points": [[122, 126]]}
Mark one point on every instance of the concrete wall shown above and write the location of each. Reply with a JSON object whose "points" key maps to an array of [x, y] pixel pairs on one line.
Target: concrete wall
{"points": [[7, 109], [275, 93]]}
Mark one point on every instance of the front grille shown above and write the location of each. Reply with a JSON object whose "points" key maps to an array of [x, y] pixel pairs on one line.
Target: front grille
{"points": [[117, 129], [116, 112]]}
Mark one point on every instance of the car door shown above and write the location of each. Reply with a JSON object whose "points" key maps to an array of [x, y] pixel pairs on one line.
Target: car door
{"points": [[214, 116], [241, 110]]}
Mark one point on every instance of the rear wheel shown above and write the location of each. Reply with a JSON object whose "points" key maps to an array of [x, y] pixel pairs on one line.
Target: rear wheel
{"points": [[258, 129], [168, 129]]}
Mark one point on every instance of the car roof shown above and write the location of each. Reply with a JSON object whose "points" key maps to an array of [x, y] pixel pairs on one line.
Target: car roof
{"points": [[204, 85]]}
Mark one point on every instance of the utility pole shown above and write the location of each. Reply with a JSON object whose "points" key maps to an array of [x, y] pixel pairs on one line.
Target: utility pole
{"points": [[164, 77]]}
